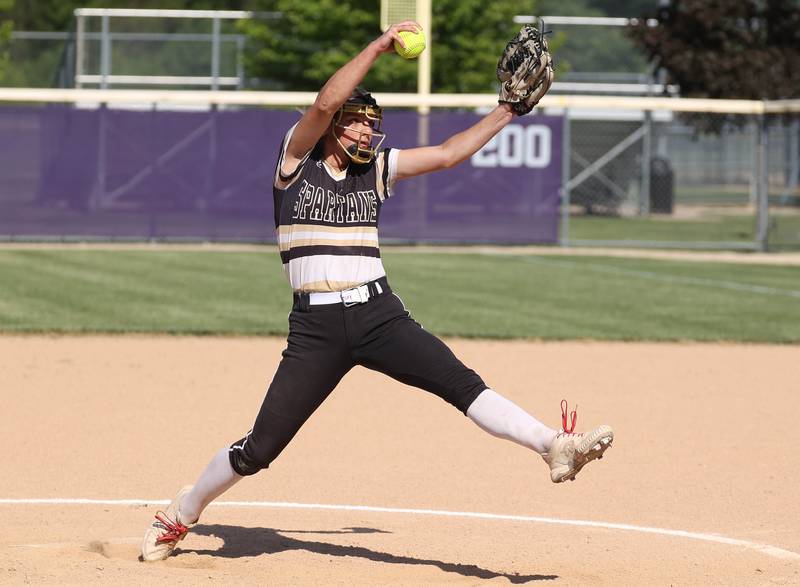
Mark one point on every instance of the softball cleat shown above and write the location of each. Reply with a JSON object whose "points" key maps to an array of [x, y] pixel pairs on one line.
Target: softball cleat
{"points": [[571, 451], [166, 531]]}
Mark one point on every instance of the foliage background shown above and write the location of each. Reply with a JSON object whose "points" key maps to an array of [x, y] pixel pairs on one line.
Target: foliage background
{"points": [[313, 38], [748, 49], [6, 26]]}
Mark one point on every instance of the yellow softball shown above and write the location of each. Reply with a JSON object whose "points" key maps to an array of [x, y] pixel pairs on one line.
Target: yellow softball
{"points": [[415, 44]]}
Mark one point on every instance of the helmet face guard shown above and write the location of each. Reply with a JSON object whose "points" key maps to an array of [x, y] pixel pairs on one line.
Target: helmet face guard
{"points": [[357, 151]]}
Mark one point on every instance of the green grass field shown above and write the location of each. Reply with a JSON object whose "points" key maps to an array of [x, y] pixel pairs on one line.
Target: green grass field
{"points": [[463, 294], [738, 229], [706, 228]]}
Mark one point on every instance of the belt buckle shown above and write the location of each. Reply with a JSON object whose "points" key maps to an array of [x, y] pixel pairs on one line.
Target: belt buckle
{"points": [[357, 295]]}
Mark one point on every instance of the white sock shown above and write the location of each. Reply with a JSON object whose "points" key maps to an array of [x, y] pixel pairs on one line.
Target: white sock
{"points": [[505, 419], [215, 480]]}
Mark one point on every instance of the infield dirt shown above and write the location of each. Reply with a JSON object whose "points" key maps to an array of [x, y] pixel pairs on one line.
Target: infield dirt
{"points": [[706, 443]]}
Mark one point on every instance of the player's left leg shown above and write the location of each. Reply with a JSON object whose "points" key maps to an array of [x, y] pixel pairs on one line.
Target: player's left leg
{"points": [[315, 359], [216, 479], [398, 346]]}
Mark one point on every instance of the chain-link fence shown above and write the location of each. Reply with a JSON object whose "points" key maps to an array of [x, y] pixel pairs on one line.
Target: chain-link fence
{"points": [[665, 178], [784, 192]]}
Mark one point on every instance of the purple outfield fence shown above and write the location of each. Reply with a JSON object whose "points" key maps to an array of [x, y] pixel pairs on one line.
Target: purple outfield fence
{"points": [[112, 174]]}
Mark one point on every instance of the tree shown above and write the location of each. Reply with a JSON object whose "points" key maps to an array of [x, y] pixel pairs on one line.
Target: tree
{"points": [[468, 38], [590, 49], [6, 26], [748, 49], [312, 40]]}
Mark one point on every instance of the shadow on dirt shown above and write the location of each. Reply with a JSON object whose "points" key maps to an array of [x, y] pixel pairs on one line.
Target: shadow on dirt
{"points": [[243, 542]]}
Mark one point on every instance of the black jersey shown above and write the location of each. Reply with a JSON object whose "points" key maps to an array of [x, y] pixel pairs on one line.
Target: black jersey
{"points": [[327, 224]]}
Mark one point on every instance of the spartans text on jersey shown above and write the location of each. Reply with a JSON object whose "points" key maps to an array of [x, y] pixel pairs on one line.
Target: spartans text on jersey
{"points": [[317, 203]]}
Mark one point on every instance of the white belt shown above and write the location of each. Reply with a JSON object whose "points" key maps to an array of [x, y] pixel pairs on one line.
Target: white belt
{"points": [[348, 297]]}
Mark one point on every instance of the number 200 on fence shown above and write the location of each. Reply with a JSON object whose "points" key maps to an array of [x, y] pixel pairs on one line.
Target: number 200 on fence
{"points": [[517, 146]]}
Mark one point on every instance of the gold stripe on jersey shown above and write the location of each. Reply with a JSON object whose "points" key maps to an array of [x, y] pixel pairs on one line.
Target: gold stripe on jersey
{"points": [[309, 235], [283, 229]]}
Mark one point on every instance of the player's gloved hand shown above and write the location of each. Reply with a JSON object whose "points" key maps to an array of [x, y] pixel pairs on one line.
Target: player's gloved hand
{"points": [[525, 70]]}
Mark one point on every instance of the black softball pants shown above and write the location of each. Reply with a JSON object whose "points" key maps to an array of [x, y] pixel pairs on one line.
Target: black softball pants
{"points": [[324, 343]]}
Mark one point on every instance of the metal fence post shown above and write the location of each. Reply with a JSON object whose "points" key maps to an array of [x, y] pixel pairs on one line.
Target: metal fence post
{"points": [[566, 150], [425, 19], [97, 196], [215, 54], [105, 53], [755, 127], [647, 146], [423, 140], [240, 62], [793, 160], [207, 200], [762, 171], [80, 29]]}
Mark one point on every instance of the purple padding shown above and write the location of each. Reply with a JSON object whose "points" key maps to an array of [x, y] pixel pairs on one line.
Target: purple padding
{"points": [[508, 192], [107, 173]]}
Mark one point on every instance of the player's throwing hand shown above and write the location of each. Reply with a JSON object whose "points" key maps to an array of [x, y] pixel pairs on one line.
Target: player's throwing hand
{"points": [[385, 43]]}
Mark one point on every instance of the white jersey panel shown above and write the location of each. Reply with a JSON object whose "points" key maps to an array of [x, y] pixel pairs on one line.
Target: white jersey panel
{"points": [[322, 273]]}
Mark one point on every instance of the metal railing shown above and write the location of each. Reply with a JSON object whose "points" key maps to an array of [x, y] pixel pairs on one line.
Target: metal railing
{"points": [[106, 78]]}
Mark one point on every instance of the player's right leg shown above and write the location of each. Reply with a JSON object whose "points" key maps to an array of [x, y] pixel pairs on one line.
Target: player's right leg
{"points": [[398, 346], [566, 452], [315, 360]]}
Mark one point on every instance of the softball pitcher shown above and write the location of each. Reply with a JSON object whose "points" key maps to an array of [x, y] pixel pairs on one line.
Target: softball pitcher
{"points": [[330, 183]]}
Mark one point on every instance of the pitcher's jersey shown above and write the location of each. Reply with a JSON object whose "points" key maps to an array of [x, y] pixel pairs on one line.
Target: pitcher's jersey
{"points": [[327, 225]]}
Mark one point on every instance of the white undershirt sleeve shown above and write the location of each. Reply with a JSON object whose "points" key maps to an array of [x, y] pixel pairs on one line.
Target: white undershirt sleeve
{"points": [[391, 177], [282, 182]]}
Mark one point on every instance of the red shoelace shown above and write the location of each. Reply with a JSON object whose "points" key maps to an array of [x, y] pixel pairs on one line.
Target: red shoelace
{"points": [[175, 530], [564, 413]]}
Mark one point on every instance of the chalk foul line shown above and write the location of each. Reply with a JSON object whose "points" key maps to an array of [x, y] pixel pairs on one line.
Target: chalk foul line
{"points": [[772, 551]]}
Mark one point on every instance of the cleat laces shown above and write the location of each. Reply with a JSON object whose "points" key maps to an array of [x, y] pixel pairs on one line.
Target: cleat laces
{"points": [[174, 530], [565, 416]]}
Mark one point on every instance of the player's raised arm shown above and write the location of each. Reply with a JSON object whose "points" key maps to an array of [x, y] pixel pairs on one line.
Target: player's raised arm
{"points": [[461, 146], [525, 72], [335, 92]]}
